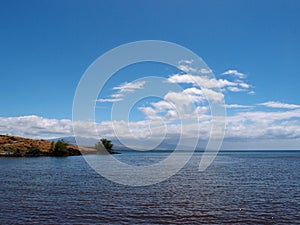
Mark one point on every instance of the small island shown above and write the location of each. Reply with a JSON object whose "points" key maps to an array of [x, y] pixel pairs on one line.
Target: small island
{"points": [[104, 146]]}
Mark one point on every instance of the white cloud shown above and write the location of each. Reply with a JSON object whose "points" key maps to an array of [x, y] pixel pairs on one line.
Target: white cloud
{"points": [[186, 61], [186, 66], [237, 106], [268, 118], [185, 78], [203, 81], [130, 87], [109, 100], [241, 126], [187, 69], [213, 96], [193, 91], [244, 85], [186, 105], [122, 90], [183, 104], [225, 83], [150, 112], [205, 71], [235, 73], [261, 125], [209, 83], [236, 89], [117, 95], [35, 127], [279, 105], [163, 105]]}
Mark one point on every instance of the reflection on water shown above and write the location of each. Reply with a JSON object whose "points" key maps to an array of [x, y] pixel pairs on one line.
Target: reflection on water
{"points": [[237, 188]]}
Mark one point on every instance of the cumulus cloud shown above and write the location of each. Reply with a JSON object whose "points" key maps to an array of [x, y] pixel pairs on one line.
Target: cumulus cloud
{"points": [[163, 105], [209, 83], [235, 73], [203, 81], [188, 95], [279, 105], [258, 125], [190, 103], [35, 127], [150, 112], [188, 67]]}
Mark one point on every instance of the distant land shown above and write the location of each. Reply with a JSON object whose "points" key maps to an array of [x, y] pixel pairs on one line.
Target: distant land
{"points": [[13, 146], [167, 144]]}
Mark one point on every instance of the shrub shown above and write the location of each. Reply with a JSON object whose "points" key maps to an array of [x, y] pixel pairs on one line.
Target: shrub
{"points": [[60, 148], [104, 143]]}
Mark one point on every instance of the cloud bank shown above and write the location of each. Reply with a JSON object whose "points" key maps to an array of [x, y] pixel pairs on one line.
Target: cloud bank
{"points": [[248, 126], [253, 126]]}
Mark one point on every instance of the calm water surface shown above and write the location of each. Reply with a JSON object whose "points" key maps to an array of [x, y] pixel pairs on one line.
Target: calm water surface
{"points": [[241, 188]]}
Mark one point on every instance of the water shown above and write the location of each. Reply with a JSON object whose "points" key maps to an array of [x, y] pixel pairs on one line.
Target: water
{"points": [[251, 188]]}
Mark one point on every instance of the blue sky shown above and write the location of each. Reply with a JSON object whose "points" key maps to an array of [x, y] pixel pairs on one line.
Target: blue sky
{"points": [[45, 47]]}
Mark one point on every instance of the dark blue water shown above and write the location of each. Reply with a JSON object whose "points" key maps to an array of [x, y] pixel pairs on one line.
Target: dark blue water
{"points": [[241, 188]]}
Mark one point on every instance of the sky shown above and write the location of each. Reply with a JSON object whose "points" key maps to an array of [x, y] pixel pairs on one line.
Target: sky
{"points": [[252, 47]]}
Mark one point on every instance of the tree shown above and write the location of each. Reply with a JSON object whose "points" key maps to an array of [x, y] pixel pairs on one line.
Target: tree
{"points": [[106, 144], [33, 151]]}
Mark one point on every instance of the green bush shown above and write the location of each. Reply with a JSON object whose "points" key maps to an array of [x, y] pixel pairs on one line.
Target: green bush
{"points": [[60, 148], [33, 151]]}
